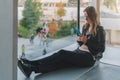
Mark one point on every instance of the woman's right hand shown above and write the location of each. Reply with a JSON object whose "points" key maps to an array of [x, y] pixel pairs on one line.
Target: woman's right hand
{"points": [[82, 38]]}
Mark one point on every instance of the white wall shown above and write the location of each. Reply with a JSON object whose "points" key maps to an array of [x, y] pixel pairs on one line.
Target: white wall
{"points": [[8, 39]]}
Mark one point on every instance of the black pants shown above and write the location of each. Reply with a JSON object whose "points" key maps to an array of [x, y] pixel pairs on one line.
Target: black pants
{"points": [[63, 59]]}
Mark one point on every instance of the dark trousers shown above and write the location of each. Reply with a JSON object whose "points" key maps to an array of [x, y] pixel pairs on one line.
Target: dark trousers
{"points": [[63, 59]]}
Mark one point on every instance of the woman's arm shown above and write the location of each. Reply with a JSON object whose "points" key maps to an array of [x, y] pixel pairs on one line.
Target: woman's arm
{"points": [[80, 39]]}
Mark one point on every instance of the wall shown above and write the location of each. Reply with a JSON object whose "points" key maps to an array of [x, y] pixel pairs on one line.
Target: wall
{"points": [[8, 39], [115, 37]]}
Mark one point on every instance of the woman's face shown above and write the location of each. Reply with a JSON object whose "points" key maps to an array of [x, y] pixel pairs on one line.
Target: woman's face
{"points": [[87, 17]]}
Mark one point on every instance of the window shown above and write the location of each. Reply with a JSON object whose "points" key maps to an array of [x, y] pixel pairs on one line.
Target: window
{"points": [[54, 29], [110, 17], [83, 5]]}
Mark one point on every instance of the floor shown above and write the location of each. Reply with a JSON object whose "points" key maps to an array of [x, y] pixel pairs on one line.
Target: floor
{"points": [[108, 68]]}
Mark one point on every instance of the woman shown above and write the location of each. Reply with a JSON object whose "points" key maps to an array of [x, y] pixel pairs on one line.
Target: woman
{"points": [[91, 41]]}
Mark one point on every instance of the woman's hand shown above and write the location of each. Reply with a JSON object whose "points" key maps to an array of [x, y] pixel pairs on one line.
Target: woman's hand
{"points": [[82, 39]]}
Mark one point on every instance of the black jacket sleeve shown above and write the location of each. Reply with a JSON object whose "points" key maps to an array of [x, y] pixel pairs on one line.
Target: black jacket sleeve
{"points": [[80, 43], [97, 44]]}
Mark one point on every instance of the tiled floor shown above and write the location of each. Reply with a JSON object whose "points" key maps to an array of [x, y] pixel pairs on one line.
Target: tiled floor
{"points": [[102, 72]]}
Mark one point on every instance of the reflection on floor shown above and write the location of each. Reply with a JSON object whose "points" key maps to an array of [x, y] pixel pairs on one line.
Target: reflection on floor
{"points": [[107, 69]]}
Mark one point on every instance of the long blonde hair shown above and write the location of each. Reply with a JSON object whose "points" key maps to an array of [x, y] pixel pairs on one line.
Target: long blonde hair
{"points": [[92, 15]]}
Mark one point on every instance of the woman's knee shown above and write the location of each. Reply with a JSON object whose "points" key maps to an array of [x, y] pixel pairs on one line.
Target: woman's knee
{"points": [[61, 52], [64, 52]]}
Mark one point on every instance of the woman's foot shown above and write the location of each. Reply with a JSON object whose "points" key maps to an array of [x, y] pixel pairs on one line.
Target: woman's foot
{"points": [[24, 68]]}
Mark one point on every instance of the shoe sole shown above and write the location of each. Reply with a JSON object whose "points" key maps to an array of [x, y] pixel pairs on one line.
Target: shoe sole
{"points": [[20, 67]]}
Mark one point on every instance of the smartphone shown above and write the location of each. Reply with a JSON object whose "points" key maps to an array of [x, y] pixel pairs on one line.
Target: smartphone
{"points": [[78, 33]]}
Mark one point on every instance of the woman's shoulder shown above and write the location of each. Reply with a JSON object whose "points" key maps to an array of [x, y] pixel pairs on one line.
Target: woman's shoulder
{"points": [[99, 27], [100, 30]]}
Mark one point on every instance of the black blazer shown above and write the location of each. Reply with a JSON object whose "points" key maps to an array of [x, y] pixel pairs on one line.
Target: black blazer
{"points": [[95, 43]]}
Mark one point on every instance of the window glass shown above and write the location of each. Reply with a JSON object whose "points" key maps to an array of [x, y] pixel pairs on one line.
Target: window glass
{"points": [[110, 17], [83, 5], [45, 26]]}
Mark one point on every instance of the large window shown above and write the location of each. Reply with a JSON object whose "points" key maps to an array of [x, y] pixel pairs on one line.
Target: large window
{"points": [[45, 26]]}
